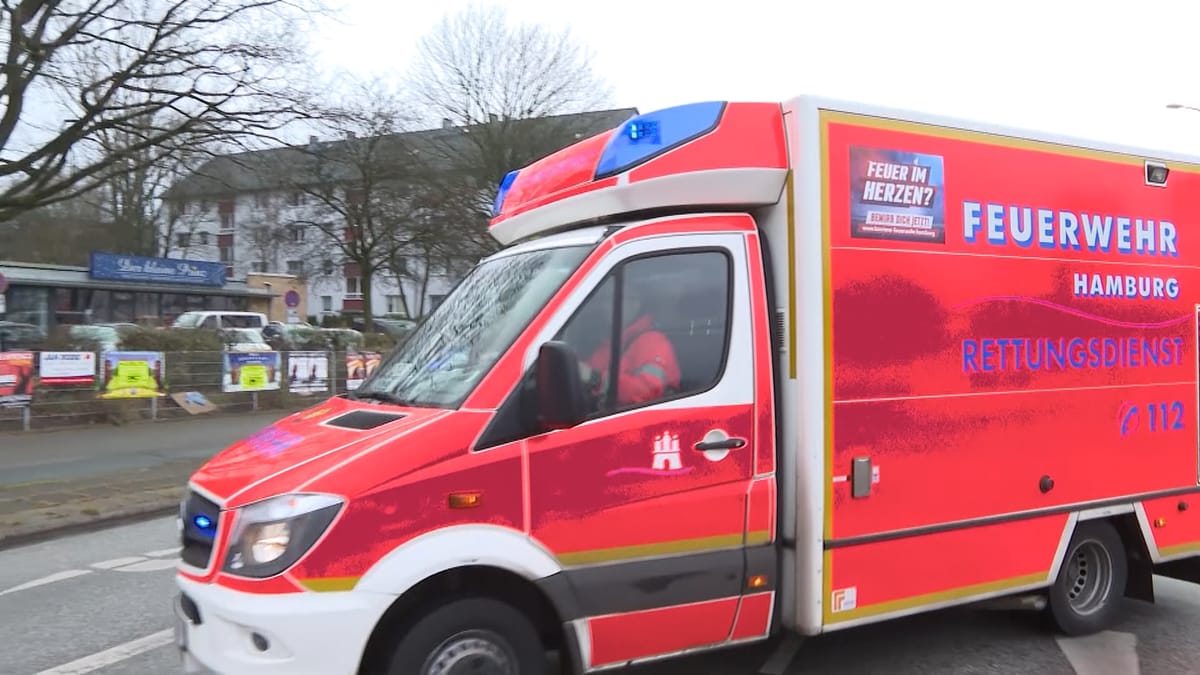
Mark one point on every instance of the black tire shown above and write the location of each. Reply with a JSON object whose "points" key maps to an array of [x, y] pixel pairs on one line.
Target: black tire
{"points": [[502, 638], [1087, 594]]}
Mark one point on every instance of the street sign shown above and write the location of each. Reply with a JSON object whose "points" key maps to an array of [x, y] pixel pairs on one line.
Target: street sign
{"points": [[291, 299]]}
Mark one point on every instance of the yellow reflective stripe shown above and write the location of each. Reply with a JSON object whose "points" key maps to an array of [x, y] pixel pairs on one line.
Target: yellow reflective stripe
{"points": [[329, 584]]}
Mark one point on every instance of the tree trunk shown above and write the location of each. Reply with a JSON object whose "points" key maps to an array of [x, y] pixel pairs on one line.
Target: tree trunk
{"points": [[365, 284], [424, 287]]}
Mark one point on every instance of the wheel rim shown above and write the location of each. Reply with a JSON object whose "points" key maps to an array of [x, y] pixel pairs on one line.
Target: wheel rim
{"points": [[1089, 577], [473, 652]]}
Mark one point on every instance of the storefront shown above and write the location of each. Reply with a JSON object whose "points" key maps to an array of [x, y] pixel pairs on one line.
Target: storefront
{"points": [[120, 288]]}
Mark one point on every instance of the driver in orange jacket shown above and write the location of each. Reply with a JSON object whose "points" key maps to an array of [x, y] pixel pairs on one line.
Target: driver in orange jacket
{"points": [[648, 369]]}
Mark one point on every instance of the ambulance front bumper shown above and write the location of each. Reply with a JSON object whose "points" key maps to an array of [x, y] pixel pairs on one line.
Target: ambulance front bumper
{"points": [[218, 630]]}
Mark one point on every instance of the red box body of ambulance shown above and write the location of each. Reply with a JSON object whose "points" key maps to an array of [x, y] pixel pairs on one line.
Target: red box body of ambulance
{"points": [[740, 369]]}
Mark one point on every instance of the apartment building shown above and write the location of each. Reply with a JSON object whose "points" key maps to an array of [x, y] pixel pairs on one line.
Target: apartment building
{"points": [[271, 212]]}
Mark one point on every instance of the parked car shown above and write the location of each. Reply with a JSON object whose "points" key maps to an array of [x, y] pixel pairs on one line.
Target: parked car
{"points": [[293, 336], [244, 340], [341, 339], [217, 319], [105, 336], [14, 335]]}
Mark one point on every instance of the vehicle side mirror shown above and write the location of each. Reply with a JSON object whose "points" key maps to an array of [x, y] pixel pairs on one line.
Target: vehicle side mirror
{"points": [[558, 389]]}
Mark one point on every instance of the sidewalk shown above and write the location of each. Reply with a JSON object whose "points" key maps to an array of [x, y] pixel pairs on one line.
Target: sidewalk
{"points": [[55, 481]]}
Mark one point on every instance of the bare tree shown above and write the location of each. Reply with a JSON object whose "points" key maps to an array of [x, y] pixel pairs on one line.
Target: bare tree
{"points": [[361, 182], [161, 74], [512, 89], [61, 233], [131, 200]]}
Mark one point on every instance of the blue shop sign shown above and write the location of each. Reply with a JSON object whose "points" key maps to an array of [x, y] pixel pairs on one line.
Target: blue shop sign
{"points": [[114, 267]]}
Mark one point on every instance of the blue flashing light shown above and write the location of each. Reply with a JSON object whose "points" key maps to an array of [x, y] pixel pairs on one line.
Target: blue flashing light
{"points": [[650, 134], [505, 186], [203, 522]]}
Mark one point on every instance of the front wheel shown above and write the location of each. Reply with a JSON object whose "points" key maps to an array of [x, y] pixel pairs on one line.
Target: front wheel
{"points": [[474, 636], [1086, 596]]}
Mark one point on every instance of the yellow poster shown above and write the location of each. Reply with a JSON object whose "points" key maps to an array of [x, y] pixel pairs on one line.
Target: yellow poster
{"points": [[251, 371], [132, 375]]}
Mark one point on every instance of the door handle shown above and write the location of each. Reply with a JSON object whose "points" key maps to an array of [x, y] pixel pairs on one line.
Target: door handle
{"points": [[725, 444]]}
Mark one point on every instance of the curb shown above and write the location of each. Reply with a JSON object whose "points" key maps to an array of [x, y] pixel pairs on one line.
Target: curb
{"points": [[75, 525], [264, 412]]}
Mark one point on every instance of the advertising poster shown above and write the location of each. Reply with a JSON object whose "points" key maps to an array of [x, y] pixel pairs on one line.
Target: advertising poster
{"points": [[896, 195], [251, 371], [16, 379], [66, 369], [308, 372], [132, 375], [193, 402], [359, 366]]}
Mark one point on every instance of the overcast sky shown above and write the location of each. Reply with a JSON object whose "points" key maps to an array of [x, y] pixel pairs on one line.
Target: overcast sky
{"points": [[1105, 68]]}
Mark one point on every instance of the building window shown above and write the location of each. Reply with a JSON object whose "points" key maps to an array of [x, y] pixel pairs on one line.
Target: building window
{"points": [[227, 254], [295, 267], [326, 303], [260, 267], [395, 304], [435, 300], [202, 238], [297, 232], [296, 198], [262, 200], [352, 286], [327, 266], [225, 210], [182, 239]]}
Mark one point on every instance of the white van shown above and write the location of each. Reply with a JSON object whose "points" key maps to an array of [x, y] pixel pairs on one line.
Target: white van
{"points": [[217, 320]]}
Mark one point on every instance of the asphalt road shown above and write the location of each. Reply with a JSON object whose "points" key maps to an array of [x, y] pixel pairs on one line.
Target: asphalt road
{"points": [[99, 603], [75, 453]]}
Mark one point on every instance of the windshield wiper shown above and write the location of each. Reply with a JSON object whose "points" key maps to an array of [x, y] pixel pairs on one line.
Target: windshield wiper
{"points": [[384, 396]]}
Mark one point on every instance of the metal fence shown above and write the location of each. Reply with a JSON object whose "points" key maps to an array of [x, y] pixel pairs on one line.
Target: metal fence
{"points": [[58, 406]]}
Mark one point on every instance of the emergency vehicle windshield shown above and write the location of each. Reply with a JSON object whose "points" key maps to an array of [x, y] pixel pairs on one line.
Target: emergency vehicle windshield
{"points": [[450, 352]]}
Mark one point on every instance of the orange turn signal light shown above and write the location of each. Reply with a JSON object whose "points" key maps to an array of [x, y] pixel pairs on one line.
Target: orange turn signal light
{"points": [[1160, 522], [758, 581], [465, 500]]}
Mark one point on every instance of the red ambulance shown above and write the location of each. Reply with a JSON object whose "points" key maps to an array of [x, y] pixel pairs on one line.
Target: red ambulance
{"points": [[741, 369]]}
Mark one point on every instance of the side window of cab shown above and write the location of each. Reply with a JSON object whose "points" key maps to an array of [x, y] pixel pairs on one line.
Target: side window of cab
{"points": [[655, 329]]}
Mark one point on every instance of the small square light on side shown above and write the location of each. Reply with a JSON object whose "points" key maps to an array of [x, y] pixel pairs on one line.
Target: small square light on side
{"points": [[1156, 174]]}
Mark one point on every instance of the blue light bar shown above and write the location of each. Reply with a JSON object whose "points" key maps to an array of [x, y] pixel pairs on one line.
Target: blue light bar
{"points": [[505, 186], [651, 134], [203, 522]]}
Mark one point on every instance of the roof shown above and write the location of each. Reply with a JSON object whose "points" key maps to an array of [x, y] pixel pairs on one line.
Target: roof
{"points": [[72, 276], [277, 168]]}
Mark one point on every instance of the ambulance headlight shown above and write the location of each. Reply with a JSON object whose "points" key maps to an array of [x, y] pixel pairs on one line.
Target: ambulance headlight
{"points": [[271, 535]]}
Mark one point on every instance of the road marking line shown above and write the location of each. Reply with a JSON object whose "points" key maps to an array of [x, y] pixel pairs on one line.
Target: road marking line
{"points": [[57, 576], [782, 657], [163, 552], [117, 562], [149, 566], [116, 654], [1107, 653]]}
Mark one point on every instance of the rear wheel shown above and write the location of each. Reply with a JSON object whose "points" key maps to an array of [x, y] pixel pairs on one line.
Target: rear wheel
{"points": [[474, 636], [1087, 594]]}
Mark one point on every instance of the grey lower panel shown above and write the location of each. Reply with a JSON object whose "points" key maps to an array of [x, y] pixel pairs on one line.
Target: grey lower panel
{"points": [[618, 588]]}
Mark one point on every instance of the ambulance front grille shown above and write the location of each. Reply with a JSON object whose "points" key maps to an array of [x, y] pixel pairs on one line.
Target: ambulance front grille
{"points": [[200, 517]]}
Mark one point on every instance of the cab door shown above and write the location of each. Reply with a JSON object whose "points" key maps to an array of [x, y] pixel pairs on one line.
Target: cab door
{"points": [[645, 503]]}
